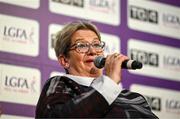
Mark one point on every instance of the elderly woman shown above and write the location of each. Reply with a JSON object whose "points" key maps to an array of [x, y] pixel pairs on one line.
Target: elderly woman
{"points": [[84, 91]]}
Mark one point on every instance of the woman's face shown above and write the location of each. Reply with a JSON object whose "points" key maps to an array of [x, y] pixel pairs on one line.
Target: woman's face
{"points": [[82, 64]]}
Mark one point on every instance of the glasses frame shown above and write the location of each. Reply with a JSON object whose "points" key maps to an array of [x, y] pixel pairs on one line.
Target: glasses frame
{"points": [[75, 45]]}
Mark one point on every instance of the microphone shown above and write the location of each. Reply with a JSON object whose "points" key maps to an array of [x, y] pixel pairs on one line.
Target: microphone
{"points": [[99, 62]]}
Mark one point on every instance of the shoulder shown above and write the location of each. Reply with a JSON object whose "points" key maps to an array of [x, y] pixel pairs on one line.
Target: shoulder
{"points": [[50, 82], [53, 88], [53, 81], [61, 84]]}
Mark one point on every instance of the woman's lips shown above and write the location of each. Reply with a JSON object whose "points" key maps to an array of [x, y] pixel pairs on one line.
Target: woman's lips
{"points": [[89, 61]]}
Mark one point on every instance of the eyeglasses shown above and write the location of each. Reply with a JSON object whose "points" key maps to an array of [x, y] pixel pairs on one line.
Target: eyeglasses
{"points": [[83, 47]]}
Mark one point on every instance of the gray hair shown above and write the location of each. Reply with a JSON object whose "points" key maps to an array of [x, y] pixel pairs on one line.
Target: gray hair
{"points": [[63, 37]]}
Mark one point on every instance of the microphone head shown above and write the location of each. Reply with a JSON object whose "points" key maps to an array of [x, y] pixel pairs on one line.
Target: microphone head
{"points": [[99, 61], [136, 65]]}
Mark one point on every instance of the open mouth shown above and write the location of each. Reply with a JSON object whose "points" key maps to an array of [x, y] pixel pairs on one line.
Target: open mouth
{"points": [[89, 61]]}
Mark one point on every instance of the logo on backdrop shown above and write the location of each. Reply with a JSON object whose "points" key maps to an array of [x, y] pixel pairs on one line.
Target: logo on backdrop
{"points": [[147, 58], [75, 3], [53, 41], [144, 14], [154, 102], [171, 20], [19, 84], [159, 60], [112, 43], [53, 30], [153, 17], [17, 38], [105, 11], [104, 6], [171, 62], [19, 35], [30, 4], [24, 86], [165, 105], [172, 106]]}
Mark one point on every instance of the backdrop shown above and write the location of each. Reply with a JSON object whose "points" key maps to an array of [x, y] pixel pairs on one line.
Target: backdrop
{"points": [[145, 30]]}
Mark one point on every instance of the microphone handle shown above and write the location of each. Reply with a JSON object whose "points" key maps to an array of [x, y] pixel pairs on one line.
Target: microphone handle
{"points": [[127, 64], [131, 64]]}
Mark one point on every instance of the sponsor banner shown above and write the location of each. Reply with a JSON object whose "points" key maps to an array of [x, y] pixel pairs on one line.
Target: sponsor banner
{"points": [[112, 41], [19, 84], [25, 3], [153, 17], [105, 11], [20, 36], [166, 104], [6, 116], [158, 60], [53, 29]]}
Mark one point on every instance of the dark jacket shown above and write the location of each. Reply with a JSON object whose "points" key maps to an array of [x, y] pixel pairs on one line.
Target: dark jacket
{"points": [[62, 97]]}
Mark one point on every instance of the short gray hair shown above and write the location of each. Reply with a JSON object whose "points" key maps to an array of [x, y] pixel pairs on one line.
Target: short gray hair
{"points": [[63, 37]]}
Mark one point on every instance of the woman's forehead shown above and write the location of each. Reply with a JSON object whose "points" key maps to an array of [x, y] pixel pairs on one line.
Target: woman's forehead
{"points": [[84, 35]]}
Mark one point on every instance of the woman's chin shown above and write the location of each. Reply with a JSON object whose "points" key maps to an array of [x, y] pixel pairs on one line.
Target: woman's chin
{"points": [[95, 72]]}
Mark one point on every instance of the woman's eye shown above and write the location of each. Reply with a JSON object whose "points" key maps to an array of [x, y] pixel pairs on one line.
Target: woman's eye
{"points": [[97, 45], [82, 45]]}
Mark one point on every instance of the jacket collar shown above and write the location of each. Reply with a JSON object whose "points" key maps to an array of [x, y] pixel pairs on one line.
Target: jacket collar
{"points": [[82, 80]]}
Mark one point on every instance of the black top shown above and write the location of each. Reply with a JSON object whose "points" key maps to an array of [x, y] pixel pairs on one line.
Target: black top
{"points": [[62, 97]]}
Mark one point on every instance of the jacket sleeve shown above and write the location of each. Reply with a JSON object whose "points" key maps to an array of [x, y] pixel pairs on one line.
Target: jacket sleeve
{"points": [[61, 100], [134, 105]]}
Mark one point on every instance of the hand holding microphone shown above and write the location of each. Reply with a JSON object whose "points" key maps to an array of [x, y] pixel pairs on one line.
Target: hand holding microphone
{"points": [[114, 63], [127, 64]]}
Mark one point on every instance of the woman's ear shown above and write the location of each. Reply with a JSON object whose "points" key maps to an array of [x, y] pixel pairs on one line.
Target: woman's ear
{"points": [[63, 61]]}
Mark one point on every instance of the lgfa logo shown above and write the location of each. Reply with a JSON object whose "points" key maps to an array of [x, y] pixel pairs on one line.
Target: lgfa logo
{"points": [[19, 84], [105, 6], [173, 106], [171, 20], [77, 3], [171, 62], [19, 35]]}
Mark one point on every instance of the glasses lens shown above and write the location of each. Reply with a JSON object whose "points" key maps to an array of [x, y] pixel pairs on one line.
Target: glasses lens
{"points": [[98, 46], [82, 47]]}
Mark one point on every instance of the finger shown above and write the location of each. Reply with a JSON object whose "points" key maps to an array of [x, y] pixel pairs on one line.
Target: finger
{"points": [[109, 62], [116, 54], [122, 58]]}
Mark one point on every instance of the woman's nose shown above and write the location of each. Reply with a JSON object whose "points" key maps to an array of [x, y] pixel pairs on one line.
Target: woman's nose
{"points": [[92, 50]]}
